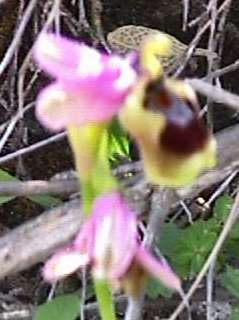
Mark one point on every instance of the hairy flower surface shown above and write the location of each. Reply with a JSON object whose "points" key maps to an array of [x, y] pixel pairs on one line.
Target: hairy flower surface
{"points": [[163, 117], [89, 87], [108, 241]]}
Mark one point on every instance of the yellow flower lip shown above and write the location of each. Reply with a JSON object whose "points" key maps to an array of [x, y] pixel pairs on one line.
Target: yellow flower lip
{"points": [[162, 116], [154, 46]]}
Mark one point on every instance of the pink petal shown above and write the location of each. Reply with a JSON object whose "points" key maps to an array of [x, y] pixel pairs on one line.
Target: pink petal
{"points": [[58, 107], [70, 61], [126, 74], [116, 236], [158, 269], [125, 238], [84, 241], [90, 86], [63, 263], [66, 59]]}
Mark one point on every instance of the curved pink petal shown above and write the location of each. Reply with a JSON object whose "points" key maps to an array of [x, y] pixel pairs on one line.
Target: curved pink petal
{"points": [[158, 269], [116, 236], [84, 241], [63, 263], [76, 64], [58, 107], [124, 238], [66, 59], [90, 87]]}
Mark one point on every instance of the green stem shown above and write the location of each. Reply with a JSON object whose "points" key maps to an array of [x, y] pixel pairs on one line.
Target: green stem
{"points": [[85, 143], [88, 197], [90, 148], [102, 177], [105, 300]]}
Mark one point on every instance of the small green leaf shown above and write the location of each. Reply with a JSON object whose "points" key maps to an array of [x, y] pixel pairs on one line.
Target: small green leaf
{"points": [[65, 307], [169, 236], [235, 314], [230, 280], [222, 208], [156, 289], [119, 144], [5, 176], [46, 201], [193, 247], [234, 234]]}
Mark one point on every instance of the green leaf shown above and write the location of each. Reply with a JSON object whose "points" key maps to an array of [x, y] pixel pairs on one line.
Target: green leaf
{"points": [[170, 235], [65, 307], [156, 289], [119, 144], [222, 208], [5, 176], [193, 247], [46, 201], [235, 314], [230, 280]]}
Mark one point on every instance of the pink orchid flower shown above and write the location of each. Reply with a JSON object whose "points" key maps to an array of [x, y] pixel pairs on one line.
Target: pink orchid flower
{"points": [[109, 242], [89, 87]]}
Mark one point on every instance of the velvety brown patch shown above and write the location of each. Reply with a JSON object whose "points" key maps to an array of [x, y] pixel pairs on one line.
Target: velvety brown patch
{"points": [[184, 140], [185, 132], [156, 97]]}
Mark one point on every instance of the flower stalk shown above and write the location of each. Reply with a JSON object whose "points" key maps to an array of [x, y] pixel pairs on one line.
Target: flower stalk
{"points": [[85, 142], [105, 299], [90, 148]]}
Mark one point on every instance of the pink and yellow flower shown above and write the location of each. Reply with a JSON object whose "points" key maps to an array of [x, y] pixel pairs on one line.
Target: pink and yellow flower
{"points": [[109, 242], [89, 87]]}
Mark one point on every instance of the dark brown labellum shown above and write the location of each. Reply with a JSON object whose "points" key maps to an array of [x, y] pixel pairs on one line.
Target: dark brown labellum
{"points": [[185, 132]]}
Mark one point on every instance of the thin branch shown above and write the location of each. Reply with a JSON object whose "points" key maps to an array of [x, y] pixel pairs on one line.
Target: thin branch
{"points": [[11, 125], [33, 147], [23, 314], [216, 94], [134, 307], [210, 280], [160, 203], [221, 28], [34, 241], [83, 293], [36, 187], [17, 38], [82, 16], [97, 9], [221, 188], [22, 72], [221, 72], [198, 20], [185, 14], [197, 38], [212, 63]]}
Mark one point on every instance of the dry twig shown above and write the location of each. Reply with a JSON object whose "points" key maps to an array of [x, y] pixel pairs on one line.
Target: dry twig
{"points": [[18, 36], [216, 94], [33, 147]]}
